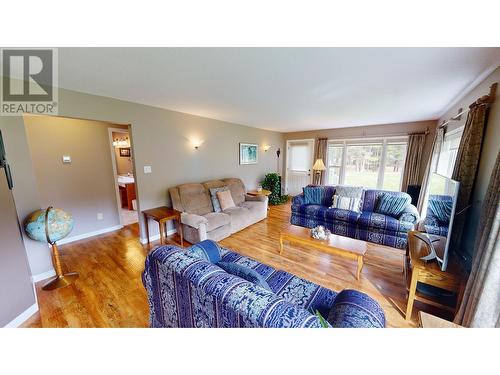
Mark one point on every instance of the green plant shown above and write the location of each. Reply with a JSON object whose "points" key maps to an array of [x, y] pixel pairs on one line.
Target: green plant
{"points": [[322, 321], [273, 184]]}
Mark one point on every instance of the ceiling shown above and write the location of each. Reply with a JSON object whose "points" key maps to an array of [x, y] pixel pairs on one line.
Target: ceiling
{"points": [[282, 89]]}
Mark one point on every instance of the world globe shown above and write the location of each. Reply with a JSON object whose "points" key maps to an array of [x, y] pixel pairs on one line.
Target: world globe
{"points": [[59, 225]]}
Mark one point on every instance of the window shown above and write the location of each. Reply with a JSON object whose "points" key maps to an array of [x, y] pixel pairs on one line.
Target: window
{"points": [[370, 163], [449, 150]]}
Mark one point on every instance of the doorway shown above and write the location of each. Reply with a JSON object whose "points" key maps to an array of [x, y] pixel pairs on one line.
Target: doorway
{"points": [[123, 171], [299, 161]]}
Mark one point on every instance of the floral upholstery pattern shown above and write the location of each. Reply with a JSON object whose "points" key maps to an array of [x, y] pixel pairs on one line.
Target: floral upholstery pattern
{"points": [[367, 225], [187, 291]]}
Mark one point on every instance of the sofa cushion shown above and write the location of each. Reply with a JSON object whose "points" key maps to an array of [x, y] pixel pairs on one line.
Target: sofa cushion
{"points": [[245, 273], [258, 210], [375, 220], [240, 217], [392, 204], [313, 194], [237, 189], [346, 203], [195, 199], [327, 214], [208, 250], [349, 191], [441, 209], [213, 196], [225, 199], [216, 220]]}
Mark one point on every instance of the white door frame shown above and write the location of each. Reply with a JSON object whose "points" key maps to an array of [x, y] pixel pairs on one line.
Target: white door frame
{"points": [[288, 142], [115, 172]]}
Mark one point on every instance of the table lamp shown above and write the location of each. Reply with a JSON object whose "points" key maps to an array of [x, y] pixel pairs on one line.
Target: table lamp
{"points": [[318, 168]]}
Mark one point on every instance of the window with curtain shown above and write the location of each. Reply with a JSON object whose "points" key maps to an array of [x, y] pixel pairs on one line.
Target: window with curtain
{"points": [[449, 151], [377, 163]]}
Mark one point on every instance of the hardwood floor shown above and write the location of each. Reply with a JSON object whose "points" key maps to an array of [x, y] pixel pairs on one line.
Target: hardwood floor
{"points": [[109, 292]]}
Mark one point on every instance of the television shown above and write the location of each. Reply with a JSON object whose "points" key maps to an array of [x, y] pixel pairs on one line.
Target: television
{"points": [[438, 221]]}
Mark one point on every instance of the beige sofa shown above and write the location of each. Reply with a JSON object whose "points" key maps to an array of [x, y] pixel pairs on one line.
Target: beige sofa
{"points": [[200, 222]]}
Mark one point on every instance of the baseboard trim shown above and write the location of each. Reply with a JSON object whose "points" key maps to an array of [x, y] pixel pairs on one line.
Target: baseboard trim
{"points": [[24, 316], [156, 237], [42, 276], [90, 234]]}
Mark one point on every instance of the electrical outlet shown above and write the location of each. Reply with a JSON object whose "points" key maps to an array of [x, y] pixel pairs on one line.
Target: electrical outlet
{"points": [[100, 216]]}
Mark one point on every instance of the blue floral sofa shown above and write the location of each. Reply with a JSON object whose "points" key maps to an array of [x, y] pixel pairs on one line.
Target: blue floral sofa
{"points": [[367, 225], [187, 291]]}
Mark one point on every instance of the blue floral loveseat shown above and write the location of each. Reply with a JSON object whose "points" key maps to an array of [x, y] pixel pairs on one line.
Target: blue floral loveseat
{"points": [[366, 225], [188, 291]]}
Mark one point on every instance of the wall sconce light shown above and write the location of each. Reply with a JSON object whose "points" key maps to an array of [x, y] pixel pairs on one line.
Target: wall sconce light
{"points": [[266, 148]]}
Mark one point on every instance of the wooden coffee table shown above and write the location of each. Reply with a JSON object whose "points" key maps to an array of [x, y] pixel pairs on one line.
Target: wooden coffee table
{"points": [[344, 246]]}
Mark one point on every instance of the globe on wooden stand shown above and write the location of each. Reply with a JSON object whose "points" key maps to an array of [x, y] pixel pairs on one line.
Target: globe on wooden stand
{"points": [[51, 225]]}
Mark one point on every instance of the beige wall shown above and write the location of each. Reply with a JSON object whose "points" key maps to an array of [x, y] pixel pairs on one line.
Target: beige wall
{"points": [[372, 131], [160, 139], [84, 187], [123, 164], [491, 147]]}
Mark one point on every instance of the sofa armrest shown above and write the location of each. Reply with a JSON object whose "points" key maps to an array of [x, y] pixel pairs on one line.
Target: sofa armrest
{"points": [[298, 200], [354, 309], [410, 214], [255, 198], [193, 220]]}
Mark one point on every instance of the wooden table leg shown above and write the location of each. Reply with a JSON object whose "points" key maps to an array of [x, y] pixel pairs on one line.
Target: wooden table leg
{"points": [[411, 293], [179, 224], [146, 223], [281, 243], [360, 266], [160, 223]]}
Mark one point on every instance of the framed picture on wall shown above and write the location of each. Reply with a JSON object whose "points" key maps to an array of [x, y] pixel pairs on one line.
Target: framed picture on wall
{"points": [[249, 153], [125, 152]]}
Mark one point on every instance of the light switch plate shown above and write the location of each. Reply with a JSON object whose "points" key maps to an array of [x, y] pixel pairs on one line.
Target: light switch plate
{"points": [[147, 169], [66, 159], [100, 216]]}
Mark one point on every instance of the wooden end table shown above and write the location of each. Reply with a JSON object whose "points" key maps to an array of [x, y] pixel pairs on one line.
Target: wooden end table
{"points": [[420, 271], [162, 215], [344, 246], [257, 193]]}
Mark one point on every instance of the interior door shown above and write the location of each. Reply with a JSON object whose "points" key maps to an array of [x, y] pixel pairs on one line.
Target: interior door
{"points": [[299, 165]]}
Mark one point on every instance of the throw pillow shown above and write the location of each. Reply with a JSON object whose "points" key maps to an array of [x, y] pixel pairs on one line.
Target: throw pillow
{"points": [[245, 273], [208, 250], [225, 199], [346, 203], [313, 194], [215, 200], [349, 191], [441, 209], [392, 204]]}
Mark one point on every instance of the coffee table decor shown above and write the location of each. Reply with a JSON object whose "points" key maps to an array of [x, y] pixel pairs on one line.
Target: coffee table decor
{"points": [[320, 233]]}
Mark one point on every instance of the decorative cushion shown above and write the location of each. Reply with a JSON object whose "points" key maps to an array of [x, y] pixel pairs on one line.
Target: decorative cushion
{"points": [[349, 191], [207, 249], [441, 209], [346, 203], [215, 200], [245, 273], [225, 199], [313, 194], [392, 204]]}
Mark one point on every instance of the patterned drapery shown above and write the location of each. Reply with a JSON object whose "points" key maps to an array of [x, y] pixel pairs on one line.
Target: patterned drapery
{"points": [[481, 302], [431, 168], [466, 166], [412, 162], [320, 153]]}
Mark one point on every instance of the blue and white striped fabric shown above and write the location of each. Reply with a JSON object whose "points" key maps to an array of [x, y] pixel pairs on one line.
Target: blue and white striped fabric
{"points": [[313, 194], [208, 250], [392, 204], [346, 203]]}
